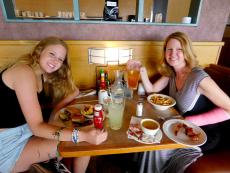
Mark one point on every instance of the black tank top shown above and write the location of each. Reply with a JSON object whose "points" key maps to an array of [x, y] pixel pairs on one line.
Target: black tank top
{"points": [[10, 111]]}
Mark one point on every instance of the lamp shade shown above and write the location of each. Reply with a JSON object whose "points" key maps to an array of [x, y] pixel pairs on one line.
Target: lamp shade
{"points": [[109, 56]]}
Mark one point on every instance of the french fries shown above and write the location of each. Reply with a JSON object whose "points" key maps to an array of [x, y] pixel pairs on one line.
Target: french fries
{"points": [[159, 100]]}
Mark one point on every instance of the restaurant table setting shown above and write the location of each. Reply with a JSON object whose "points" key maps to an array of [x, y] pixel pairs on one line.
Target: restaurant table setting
{"points": [[129, 137], [127, 120]]}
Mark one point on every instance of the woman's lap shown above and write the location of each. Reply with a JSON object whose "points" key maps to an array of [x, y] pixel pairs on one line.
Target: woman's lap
{"points": [[19, 149], [12, 142], [168, 160], [36, 150]]}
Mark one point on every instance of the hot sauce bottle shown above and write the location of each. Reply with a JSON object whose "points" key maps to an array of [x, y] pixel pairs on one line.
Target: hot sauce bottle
{"points": [[102, 82], [98, 116]]}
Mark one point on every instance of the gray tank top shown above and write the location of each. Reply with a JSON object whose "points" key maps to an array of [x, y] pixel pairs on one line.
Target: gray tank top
{"points": [[188, 95]]}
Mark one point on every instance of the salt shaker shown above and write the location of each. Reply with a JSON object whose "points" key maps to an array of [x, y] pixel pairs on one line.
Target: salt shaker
{"points": [[139, 109]]}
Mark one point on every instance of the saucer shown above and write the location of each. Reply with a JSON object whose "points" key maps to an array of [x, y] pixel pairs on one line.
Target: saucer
{"points": [[134, 132]]}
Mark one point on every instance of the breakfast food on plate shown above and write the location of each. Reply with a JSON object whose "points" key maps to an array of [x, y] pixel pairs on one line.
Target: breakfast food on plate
{"points": [[160, 100], [189, 131], [77, 118], [73, 114], [64, 116], [87, 110]]}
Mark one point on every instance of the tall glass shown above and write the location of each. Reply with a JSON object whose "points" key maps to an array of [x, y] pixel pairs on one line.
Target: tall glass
{"points": [[116, 111], [133, 75], [117, 105]]}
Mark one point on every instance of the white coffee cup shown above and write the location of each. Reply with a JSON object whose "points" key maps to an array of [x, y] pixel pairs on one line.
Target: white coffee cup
{"points": [[186, 20], [101, 95]]}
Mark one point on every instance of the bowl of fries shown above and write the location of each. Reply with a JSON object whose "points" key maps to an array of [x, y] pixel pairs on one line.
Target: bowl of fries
{"points": [[161, 101]]}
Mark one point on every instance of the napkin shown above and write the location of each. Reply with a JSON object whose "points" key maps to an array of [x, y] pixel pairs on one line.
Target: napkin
{"points": [[134, 132], [86, 93]]}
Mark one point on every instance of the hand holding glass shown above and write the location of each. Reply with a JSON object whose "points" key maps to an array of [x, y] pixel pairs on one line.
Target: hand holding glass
{"points": [[133, 74]]}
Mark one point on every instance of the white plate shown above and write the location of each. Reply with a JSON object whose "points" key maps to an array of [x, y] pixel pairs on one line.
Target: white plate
{"points": [[181, 138], [59, 122]]}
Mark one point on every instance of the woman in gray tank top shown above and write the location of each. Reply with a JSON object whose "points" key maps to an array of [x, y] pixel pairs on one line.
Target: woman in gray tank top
{"points": [[198, 97]]}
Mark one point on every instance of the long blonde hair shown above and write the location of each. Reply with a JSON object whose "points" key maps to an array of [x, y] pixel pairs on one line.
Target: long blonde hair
{"points": [[189, 54], [59, 83]]}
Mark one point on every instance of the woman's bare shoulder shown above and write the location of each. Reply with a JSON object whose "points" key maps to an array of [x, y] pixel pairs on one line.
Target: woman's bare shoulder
{"points": [[18, 74], [20, 70]]}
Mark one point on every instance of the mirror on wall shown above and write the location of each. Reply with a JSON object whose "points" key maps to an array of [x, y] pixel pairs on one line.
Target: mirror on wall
{"points": [[154, 12]]}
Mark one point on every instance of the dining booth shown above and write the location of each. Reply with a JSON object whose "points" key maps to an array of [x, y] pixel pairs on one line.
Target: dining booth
{"points": [[149, 53]]}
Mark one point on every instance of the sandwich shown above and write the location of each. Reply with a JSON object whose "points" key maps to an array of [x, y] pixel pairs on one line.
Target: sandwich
{"points": [[72, 113]]}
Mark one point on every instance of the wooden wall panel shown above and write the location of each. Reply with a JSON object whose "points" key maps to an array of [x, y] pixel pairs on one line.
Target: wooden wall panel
{"points": [[149, 52]]}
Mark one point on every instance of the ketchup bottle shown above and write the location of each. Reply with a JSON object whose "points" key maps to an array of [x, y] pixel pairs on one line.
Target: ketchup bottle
{"points": [[98, 116]]}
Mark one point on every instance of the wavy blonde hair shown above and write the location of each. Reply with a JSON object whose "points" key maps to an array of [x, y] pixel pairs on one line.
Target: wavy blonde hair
{"points": [[189, 54], [59, 83]]}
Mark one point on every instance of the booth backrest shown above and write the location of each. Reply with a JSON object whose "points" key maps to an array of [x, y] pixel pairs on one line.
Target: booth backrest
{"points": [[221, 75], [149, 52]]}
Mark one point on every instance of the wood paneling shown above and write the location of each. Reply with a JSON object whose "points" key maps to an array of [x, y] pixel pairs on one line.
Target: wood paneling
{"points": [[149, 52]]}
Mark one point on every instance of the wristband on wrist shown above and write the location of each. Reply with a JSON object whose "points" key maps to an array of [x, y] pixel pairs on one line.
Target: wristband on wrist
{"points": [[75, 137]]}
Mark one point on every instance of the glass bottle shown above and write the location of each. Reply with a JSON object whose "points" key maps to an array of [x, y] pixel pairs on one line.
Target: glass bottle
{"points": [[117, 89], [102, 82]]}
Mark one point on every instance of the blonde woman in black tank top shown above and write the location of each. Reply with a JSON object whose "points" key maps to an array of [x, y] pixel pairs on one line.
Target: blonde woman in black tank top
{"points": [[36, 140]]}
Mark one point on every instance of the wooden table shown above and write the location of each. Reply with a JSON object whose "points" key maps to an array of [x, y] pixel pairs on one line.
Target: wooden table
{"points": [[117, 141]]}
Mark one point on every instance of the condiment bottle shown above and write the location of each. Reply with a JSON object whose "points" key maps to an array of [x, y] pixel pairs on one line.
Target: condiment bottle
{"points": [[139, 109], [107, 82], [98, 116], [102, 82]]}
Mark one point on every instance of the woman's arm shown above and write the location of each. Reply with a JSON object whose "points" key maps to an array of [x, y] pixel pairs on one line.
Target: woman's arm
{"points": [[66, 101], [157, 86], [25, 85], [212, 91]]}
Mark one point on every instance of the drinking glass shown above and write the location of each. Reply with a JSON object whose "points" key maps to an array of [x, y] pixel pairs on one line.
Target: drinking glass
{"points": [[116, 106], [133, 75], [115, 114]]}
